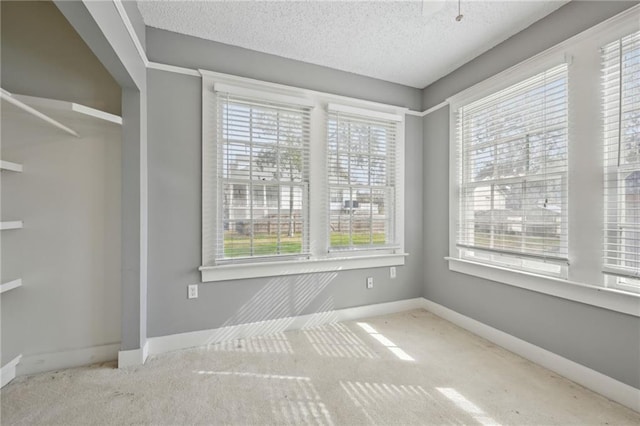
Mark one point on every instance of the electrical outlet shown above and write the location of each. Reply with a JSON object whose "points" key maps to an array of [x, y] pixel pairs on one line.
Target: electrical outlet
{"points": [[392, 272], [369, 282], [192, 291]]}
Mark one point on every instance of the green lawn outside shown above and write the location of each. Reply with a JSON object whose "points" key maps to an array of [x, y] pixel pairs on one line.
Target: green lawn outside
{"points": [[514, 242], [236, 245]]}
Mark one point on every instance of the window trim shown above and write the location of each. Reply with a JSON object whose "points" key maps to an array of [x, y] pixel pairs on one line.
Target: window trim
{"points": [[224, 96], [586, 284], [360, 116], [238, 271], [460, 250], [492, 85], [320, 259], [603, 297], [615, 247]]}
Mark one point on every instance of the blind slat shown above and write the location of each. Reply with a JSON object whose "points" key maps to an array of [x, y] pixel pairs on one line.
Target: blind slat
{"points": [[512, 158], [621, 134], [263, 176], [362, 179]]}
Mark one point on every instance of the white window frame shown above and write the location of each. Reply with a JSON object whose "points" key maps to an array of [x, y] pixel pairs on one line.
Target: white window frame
{"points": [[585, 281], [617, 276], [227, 95], [521, 261], [390, 222], [319, 259]]}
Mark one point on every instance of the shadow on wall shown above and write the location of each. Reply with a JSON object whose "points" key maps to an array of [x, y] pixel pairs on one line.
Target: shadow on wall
{"points": [[276, 307]]}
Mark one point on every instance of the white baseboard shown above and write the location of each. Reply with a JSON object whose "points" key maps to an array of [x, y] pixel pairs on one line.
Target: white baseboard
{"points": [[590, 379], [162, 344], [133, 357], [32, 364], [8, 371]]}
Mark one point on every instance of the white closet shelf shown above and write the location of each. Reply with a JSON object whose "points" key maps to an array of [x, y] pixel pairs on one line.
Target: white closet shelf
{"points": [[56, 112], [65, 106], [12, 224], [16, 102], [10, 285], [12, 167]]}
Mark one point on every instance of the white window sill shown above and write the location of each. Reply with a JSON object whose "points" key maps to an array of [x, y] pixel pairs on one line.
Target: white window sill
{"points": [[296, 267], [608, 298]]}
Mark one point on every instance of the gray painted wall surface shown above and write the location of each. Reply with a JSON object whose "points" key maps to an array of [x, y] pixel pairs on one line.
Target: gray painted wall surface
{"points": [[175, 197], [600, 339], [134, 218], [569, 20], [101, 27], [68, 195], [42, 55], [192, 52]]}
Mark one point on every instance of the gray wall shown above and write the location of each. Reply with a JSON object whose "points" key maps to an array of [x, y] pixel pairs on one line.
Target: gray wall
{"points": [[603, 340], [68, 195], [175, 129], [103, 30]]}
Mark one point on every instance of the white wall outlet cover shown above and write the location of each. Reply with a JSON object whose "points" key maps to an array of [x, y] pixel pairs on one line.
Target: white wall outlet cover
{"points": [[392, 272], [369, 282], [192, 292]]}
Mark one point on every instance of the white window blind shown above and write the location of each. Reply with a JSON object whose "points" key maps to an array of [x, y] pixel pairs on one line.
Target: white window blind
{"points": [[512, 159], [263, 178], [621, 102], [361, 180]]}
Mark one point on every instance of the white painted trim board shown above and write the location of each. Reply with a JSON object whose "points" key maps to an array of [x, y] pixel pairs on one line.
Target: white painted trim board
{"points": [[163, 344], [10, 285], [30, 110], [8, 371], [590, 379], [295, 267], [603, 297], [10, 166], [10, 224], [66, 106], [132, 33], [39, 363], [133, 357]]}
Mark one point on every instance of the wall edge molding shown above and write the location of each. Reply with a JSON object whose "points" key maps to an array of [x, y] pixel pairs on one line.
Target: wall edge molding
{"points": [[203, 338], [39, 363], [593, 380], [133, 357], [8, 371]]}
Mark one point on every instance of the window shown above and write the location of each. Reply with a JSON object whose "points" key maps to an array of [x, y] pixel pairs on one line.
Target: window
{"points": [[513, 175], [296, 181], [263, 154], [362, 180], [621, 108], [530, 181]]}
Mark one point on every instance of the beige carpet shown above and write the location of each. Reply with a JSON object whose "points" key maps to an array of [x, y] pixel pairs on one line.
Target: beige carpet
{"points": [[409, 368]]}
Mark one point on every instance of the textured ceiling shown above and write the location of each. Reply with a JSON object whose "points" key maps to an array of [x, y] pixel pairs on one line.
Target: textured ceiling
{"points": [[389, 40]]}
